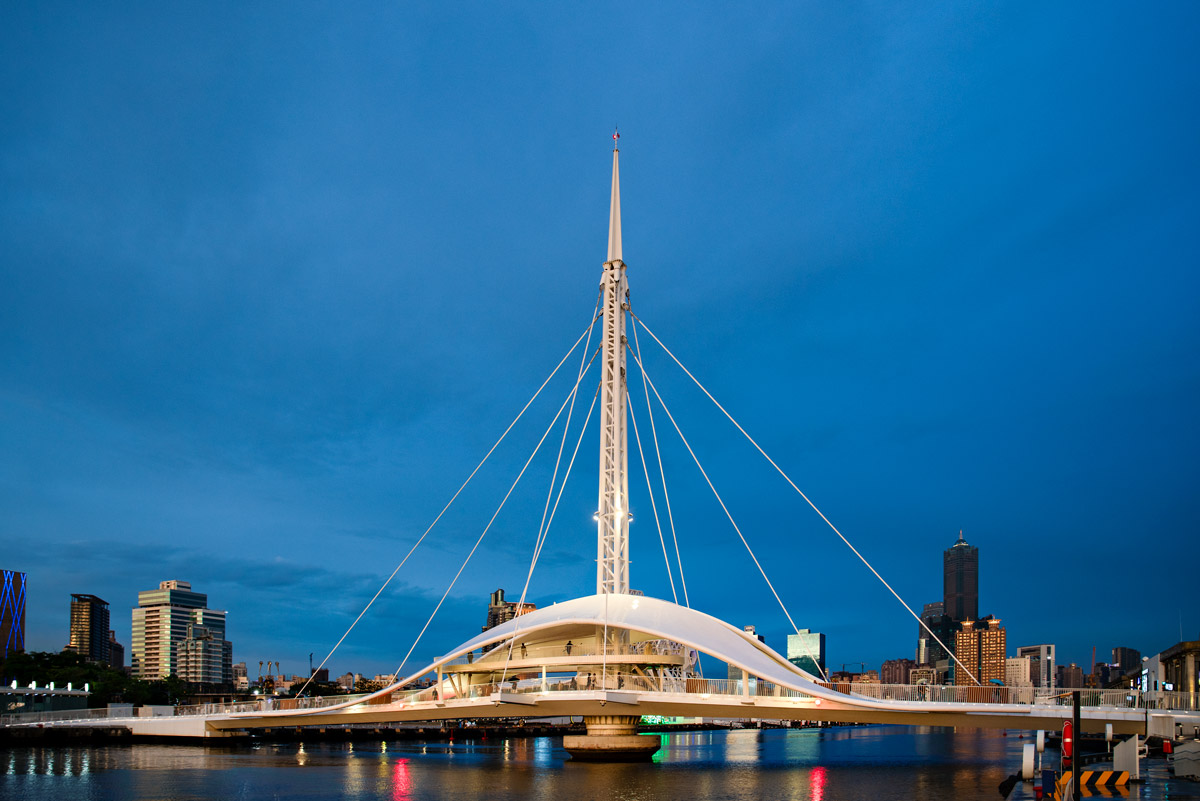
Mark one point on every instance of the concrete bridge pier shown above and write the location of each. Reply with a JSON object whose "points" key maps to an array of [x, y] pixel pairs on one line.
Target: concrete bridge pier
{"points": [[611, 738]]}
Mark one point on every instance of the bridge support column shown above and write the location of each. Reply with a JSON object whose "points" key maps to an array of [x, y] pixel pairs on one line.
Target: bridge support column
{"points": [[611, 738]]}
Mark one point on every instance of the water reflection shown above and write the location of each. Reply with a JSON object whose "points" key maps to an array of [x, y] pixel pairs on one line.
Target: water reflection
{"points": [[401, 781], [816, 783], [813, 765], [742, 745]]}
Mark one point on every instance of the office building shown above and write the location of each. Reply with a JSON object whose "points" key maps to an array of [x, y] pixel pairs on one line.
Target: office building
{"points": [[806, 650], [203, 656], [89, 628], [501, 611], [1126, 659], [1070, 676], [1017, 671], [960, 581], [896, 671], [1042, 670], [174, 632], [980, 646], [1176, 669], [937, 626], [1103, 675], [12, 612]]}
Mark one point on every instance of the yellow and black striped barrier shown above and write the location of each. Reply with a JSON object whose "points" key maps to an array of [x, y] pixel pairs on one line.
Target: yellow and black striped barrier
{"points": [[1105, 783], [1093, 783]]}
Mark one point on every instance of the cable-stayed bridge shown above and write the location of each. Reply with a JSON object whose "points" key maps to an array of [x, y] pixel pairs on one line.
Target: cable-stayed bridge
{"points": [[616, 655]]}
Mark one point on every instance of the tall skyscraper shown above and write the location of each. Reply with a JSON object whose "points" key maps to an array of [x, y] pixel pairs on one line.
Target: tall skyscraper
{"points": [[960, 581], [1041, 664], [89, 628], [174, 632], [12, 612], [980, 646], [806, 650]]}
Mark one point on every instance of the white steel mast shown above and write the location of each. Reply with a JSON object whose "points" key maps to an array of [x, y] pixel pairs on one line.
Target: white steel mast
{"points": [[612, 563]]}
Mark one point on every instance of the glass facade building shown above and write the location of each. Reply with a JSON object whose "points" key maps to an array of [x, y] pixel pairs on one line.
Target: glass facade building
{"points": [[806, 650], [960, 563], [12, 612]]}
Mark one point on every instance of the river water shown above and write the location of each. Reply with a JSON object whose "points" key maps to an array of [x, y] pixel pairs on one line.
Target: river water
{"points": [[866, 762]]}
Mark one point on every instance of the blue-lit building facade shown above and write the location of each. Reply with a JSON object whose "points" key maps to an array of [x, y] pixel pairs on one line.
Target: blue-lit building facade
{"points": [[12, 612]]}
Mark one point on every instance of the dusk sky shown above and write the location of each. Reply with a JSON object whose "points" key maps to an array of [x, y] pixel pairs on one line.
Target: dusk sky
{"points": [[276, 276]]}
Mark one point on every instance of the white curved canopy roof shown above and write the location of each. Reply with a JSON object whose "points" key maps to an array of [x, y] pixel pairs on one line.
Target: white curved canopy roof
{"points": [[653, 618], [649, 618]]}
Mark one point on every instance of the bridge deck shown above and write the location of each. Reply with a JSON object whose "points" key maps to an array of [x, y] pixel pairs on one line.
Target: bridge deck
{"points": [[1128, 712]]}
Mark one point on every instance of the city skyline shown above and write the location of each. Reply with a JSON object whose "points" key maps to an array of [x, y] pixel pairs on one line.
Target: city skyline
{"points": [[257, 332]]}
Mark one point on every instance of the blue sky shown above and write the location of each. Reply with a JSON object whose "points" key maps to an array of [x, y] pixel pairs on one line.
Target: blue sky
{"points": [[276, 277]]}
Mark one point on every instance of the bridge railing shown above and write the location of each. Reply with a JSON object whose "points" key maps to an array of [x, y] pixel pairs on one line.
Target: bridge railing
{"points": [[645, 648], [617, 681], [1026, 696], [27, 718]]}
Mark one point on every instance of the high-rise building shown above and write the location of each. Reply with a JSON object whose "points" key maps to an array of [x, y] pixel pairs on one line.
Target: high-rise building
{"points": [[12, 612], [89, 628], [203, 656], [501, 611], [1041, 664], [935, 625], [806, 650], [896, 671], [980, 647], [174, 632], [116, 651], [960, 581], [1126, 659]]}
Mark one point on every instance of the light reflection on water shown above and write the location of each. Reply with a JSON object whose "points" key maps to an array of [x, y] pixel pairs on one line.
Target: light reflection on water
{"points": [[879, 762]]}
